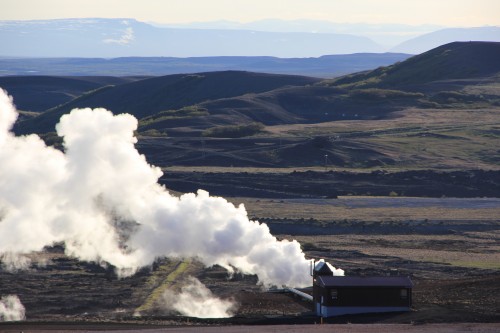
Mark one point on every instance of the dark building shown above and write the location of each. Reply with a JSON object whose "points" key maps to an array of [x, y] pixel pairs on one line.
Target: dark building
{"points": [[340, 295]]}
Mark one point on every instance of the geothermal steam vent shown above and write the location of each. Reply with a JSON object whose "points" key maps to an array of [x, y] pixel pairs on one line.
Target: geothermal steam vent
{"points": [[101, 199]]}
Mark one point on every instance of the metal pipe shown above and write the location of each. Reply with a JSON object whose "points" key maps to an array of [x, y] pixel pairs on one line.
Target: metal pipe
{"points": [[301, 294]]}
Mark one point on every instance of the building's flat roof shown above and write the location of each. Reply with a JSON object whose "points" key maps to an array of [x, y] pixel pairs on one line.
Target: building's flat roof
{"points": [[364, 281]]}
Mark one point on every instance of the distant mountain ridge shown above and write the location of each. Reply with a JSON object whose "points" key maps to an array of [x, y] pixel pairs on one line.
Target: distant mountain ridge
{"points": [[434, 39], [123, 37], [384, 34], [326, 66], [110, 38]]}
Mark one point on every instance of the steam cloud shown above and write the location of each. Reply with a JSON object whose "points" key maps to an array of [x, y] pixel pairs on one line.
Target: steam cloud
{"points": [[12, 262], [196, 300], [102, 200], [11, 309]]}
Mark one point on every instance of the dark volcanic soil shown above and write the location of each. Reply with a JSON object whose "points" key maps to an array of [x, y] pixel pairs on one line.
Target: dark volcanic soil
{"points": [[100, 300], [58, 288], [312, 184], [449, 247]]}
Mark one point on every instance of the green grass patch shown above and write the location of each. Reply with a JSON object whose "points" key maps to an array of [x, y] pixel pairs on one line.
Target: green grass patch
{"points": [[185, 112], [233, 131], [476, 264], [170, 279], [153, 132], [374, 94]]}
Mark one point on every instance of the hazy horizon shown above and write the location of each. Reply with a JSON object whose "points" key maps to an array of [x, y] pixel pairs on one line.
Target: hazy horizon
{"points": [[447, 13], [286, 29]]}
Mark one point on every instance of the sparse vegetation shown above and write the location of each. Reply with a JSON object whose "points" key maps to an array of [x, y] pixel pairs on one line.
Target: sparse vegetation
{"points": [[454, 97], [233, 131], [153, 132], [374, 94], [185, 112]]}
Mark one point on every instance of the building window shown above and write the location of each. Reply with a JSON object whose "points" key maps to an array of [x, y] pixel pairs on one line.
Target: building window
{"points": [[334, 293], [403, 293]]}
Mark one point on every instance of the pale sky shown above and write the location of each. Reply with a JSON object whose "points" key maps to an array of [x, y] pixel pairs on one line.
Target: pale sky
{"points": [[441, 12]]}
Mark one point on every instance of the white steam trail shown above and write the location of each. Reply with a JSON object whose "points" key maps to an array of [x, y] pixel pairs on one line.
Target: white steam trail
{"points": [[196, 300], [12, 262], [101, 198], [11, 309]]}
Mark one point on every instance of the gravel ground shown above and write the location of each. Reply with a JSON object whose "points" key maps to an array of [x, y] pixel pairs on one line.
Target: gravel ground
{"points": [[358, 328]]}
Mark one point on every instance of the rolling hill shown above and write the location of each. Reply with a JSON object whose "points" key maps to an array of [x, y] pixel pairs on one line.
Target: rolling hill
{"points": [[39, 93], [294, 105], [440, 78], [149, 96], [438, 108], [188, 104]]}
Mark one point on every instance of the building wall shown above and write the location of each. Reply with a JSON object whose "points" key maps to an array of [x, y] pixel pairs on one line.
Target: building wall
{"points": [[333, 301], [369, 297], [331, 311]]}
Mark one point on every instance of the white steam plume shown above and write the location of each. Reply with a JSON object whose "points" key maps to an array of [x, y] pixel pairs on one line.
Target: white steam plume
{"points": [[12, 262], [196, 300], [11, 309], [101, 198]]}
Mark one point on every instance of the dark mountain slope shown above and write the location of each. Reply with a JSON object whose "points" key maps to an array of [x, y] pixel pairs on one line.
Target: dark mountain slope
{"points": [[150, 96], [459, 60], [39, 93]]}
